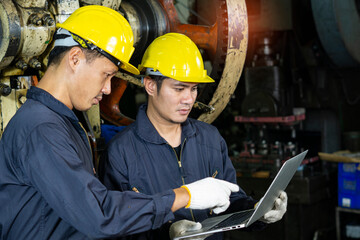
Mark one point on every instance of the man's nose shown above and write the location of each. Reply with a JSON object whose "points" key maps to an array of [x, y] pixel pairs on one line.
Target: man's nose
{"points": [[107, 87], [189, 96]]}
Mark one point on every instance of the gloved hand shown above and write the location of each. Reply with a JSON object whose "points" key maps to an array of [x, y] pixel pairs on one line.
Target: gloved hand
{"points": [[279, 210], [210, 193], [180, 227]]}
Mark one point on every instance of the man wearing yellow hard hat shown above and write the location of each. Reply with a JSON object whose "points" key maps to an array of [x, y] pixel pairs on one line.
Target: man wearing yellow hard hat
{"points": [[49, 188], [164, 148]]}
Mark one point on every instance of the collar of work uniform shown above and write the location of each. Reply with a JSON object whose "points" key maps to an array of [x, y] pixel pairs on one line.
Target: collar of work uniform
{"points": [[147, 131], [48, 100]]}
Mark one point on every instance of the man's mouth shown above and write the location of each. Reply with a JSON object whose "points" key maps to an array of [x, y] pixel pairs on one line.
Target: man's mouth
{"points": [[97, 99], [184, 110]]}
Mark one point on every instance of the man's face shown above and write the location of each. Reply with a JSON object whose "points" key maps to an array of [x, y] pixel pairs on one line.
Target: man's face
{"points": [[92, 80], [174, 101]]}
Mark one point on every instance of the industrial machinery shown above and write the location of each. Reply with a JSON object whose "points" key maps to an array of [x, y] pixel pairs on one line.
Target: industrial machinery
{"points": [[299, 88], [219, 28], [28, 26]]}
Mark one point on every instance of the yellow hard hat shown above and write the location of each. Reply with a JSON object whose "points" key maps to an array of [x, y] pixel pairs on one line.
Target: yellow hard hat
{"points": [[176, 56], [105, 28]]}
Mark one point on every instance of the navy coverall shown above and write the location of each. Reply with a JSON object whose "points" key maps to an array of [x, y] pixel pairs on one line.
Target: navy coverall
{"points": [[139, 159], [48, 189]]}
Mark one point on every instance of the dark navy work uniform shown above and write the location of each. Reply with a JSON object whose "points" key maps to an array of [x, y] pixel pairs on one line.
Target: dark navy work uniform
{"points": [[139, 159], [48, 189]]}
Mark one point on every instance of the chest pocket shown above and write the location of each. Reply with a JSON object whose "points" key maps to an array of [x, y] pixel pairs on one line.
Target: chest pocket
{"points": [[136, 177], [203, 161], [143, 178], [137, 186], [153, 174]]}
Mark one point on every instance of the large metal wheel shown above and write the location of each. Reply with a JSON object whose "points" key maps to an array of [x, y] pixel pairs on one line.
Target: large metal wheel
{"points": [[220, 30]]}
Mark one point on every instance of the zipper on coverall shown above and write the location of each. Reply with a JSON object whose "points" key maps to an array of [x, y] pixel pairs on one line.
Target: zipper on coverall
{"points": [[182, 170]]}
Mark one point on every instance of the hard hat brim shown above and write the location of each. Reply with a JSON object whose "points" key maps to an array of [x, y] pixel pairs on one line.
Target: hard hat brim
{"points": [[206, 79], [192, 79], [129, 68]]}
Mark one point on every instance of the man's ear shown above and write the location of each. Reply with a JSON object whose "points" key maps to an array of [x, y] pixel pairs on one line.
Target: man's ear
{"points": [[76, 55], [150, 86]]}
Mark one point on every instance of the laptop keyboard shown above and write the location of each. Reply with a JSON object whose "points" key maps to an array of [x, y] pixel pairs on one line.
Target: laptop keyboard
{"points": [[234, 219]]}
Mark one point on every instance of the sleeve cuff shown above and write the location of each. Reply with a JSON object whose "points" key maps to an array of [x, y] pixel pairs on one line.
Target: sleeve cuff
{"points": [[163, 203]]}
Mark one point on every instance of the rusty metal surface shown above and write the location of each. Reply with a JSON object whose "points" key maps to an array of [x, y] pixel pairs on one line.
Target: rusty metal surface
{"points": [[134, 20], [109, 106], [26, 33], [147, 20], [91, 2], [93, 115], [37, 31], [29, 27], [10, 103], [32, 3], [225, 43], [209, 35], [129, 78], [235, 58], [114, 4], [10, 34], [65, 8], [205, 37]]}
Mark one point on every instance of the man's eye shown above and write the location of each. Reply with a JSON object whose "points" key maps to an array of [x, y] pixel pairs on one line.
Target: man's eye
{"points": [[194, 89], [179, 89]]}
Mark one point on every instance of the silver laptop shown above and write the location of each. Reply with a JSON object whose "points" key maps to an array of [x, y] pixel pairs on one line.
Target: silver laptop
{"points": [[245, 218]]}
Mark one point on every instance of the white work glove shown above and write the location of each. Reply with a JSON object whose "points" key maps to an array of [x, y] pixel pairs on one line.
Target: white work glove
{"points": [[210, 193], [178, 228], [279, 210]]}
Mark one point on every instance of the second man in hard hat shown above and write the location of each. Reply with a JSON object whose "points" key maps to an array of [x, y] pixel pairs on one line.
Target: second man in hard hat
{"points": [[164, 148]]}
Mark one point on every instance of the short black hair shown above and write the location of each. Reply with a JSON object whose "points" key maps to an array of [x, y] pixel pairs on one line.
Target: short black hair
{"points": [[57, 54], [158, 80]]}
